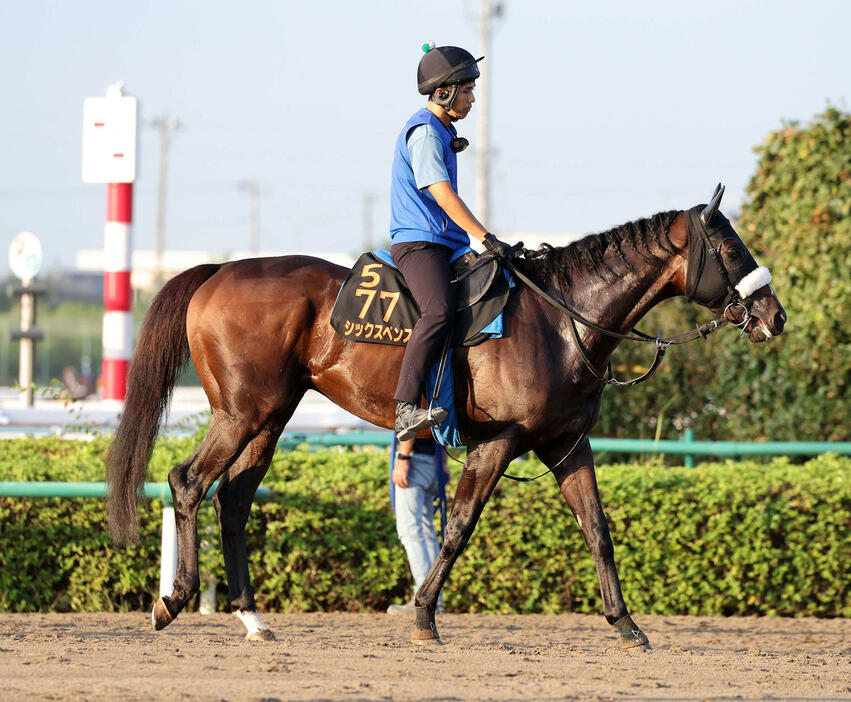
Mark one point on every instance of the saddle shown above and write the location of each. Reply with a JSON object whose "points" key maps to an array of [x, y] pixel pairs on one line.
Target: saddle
{"points": [[374, 304]]}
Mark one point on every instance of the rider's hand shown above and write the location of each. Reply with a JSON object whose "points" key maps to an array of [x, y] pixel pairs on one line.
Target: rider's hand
{"points": [[400, 472], [496, 247]]}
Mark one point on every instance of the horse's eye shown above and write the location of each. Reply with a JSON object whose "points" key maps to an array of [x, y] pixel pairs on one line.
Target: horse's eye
{"points": [[733, 253]]}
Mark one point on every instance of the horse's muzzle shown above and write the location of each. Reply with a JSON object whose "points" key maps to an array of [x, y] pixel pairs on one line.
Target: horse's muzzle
{"points": [[767, 318]]}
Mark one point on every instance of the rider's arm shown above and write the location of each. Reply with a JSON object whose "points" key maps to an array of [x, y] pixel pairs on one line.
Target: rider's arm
{"points": [[430, 173], [457, 210]]}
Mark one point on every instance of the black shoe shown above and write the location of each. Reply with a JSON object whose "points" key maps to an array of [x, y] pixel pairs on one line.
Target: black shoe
{"points": [[410, 419]]}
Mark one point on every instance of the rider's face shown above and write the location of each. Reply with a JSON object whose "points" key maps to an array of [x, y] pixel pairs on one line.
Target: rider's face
{"points": [[464, 100]]}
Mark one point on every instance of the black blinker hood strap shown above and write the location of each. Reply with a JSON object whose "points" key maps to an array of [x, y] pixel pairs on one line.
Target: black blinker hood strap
{"points": [[696, 253]]}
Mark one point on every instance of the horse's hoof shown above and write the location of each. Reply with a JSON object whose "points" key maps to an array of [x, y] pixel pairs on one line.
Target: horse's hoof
{"points": [[425, 631], [644, 646], [160, 616], [426, 637], [631, 635], [262, 635]]}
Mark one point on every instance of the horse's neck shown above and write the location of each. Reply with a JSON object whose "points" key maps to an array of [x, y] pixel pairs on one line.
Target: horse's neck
{"points": [[620, 304]]}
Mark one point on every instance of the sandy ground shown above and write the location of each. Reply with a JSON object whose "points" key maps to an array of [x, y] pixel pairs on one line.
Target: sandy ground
{"points": [[368, 657]]}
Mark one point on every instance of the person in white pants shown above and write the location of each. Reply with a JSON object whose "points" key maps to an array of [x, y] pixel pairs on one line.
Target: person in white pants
{"points": [[419, 475]]}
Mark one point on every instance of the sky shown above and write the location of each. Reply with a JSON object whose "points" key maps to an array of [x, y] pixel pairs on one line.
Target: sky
{"points": [[600, 112]]}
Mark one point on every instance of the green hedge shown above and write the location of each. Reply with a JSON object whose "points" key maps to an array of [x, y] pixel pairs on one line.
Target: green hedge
{"points": [[730, 538]]}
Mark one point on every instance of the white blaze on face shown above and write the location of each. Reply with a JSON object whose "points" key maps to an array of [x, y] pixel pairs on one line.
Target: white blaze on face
{"points": [[251, 621], [753, 281]]}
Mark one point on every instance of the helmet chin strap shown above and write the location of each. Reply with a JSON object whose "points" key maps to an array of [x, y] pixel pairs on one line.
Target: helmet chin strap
{"points": [[446, 103]]}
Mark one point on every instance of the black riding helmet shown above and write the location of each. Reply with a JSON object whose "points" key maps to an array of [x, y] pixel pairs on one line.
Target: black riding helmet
{"points": [[445, 67]]}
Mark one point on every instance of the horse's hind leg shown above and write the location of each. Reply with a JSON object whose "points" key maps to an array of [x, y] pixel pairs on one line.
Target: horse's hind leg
{"points": [[189, 483], [484, 466], [578, 484], [233, 503]]}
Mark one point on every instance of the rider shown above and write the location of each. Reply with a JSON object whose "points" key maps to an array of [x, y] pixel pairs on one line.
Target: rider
{"points": [[429, 222]]}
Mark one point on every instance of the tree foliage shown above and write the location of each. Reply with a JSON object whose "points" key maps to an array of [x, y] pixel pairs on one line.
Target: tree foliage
{"points": [[798, 217], [796, 221]]}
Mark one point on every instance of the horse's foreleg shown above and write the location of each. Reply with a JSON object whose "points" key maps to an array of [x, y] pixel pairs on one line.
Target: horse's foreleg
{"points": [[578, 484], [189, 483], [484, 466], [233, 503]]}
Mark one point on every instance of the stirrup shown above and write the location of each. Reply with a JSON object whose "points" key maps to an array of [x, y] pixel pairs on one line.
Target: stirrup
{"points": [[436, 415], [431, 417]]}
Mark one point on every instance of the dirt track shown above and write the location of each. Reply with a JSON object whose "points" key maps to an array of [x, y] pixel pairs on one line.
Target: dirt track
{"points": [[367, 656]]}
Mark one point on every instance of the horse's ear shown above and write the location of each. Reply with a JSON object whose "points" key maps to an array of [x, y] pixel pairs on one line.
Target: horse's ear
{"points": [[710, 210]]}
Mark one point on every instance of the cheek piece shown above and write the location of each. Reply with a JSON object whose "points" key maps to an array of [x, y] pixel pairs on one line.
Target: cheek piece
{"points": [[746, 287]]}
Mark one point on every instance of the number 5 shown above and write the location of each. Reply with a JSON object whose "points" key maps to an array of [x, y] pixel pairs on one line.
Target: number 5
{"points": [[375, 279]]}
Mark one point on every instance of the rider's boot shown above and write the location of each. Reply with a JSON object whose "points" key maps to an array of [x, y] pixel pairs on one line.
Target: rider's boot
{"points": [[410, 419]]}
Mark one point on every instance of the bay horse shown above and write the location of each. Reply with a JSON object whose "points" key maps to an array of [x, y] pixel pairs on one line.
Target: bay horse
{"points": [[258, 333]]}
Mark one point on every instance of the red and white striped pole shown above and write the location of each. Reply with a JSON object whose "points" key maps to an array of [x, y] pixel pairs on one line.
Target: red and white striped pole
{"points": [[117, 297], [109, 156]]}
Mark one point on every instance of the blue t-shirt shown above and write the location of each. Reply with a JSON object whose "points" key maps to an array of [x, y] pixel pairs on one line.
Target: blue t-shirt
{"points": [[414, 214], [426, 156]]}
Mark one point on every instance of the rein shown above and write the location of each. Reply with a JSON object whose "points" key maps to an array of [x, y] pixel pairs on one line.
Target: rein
{"points": [[662, 343]]}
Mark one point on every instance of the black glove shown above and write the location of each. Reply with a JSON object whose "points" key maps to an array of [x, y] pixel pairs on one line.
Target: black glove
{"points": [[498, 248]]}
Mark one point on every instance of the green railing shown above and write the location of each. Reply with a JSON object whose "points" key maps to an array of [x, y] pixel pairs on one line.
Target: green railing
{"points": [[687, 446], [58, 489]]}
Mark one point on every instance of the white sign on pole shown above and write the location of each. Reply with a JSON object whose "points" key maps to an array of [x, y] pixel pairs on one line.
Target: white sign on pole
{"points": [[25, 256], [109, 138]]}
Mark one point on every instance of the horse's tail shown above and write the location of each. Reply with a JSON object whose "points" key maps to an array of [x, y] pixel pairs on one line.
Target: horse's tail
{"points": [[161, 352]]}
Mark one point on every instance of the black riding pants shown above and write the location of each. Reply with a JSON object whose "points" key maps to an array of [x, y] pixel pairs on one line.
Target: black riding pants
{"points": [[428, 274]]}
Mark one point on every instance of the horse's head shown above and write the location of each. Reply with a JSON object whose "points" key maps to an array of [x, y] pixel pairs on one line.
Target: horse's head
{"points": [[723, 276]]}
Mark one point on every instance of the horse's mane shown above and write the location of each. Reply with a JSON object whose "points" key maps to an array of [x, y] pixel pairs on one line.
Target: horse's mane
{"points": [[555, 264]]}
